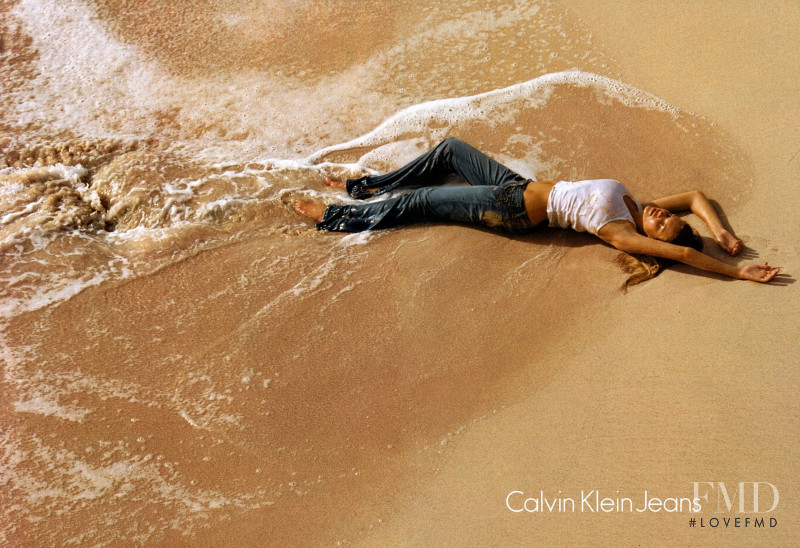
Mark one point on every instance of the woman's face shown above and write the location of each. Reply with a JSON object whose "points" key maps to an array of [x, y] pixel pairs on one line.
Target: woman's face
{"points": [[660, 224]]}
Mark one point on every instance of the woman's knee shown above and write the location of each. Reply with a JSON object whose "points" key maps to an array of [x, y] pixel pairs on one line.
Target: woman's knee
{"points": [[453, 148], [452, 142]]}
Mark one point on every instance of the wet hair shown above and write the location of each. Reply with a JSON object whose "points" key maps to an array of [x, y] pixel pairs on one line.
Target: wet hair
{"points": [[644, 267]]}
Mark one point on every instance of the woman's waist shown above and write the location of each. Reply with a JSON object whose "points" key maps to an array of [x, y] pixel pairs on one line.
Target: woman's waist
{"points": [[536, 196]]}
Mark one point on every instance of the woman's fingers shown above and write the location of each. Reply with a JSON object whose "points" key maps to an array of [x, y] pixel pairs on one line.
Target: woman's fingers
{"points": [[760, 272], [769, 272]]}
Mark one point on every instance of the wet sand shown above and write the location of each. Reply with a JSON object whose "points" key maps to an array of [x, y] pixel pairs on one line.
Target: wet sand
{"points": [[254, 379], [684, 379]]}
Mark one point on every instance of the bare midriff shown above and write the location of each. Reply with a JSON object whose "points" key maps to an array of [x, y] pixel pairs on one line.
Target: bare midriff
{"points": [[536, 196]]}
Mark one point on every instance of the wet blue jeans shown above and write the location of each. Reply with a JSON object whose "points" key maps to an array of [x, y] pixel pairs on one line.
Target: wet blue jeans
{"points": [[494, 197]]}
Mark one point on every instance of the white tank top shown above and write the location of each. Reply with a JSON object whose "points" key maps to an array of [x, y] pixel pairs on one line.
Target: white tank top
{"points": [[587, 206]]}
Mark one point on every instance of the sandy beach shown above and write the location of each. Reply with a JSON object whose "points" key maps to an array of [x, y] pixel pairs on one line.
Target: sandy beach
{"points": [[188, 362]]}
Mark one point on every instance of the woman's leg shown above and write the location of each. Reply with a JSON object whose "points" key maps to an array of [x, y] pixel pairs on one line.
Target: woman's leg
{"points": [[448, 157], [463, 204]]}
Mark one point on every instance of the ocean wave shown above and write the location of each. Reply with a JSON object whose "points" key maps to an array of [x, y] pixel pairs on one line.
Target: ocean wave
{"points": [[134, 206]]}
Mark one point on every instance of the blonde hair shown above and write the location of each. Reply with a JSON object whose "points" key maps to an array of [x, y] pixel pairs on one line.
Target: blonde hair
{"points": [[640, 267], [645, 267]]}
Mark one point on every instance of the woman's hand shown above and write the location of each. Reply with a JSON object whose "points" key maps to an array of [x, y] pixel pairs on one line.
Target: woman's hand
{"points": [[758, 272], [729, 242]]}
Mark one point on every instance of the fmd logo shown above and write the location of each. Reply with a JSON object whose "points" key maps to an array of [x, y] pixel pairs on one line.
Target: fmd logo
{"points": [[745, 497]]}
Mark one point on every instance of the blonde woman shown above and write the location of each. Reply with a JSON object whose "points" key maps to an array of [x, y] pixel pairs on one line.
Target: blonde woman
{"points": [[499, 198]]}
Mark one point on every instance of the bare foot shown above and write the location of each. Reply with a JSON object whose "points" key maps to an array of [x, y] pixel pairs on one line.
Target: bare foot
{"points": [[333, 183], [312, 210], [729, 243]]}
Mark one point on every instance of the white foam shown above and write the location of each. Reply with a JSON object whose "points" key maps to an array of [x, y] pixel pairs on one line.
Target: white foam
{"points": [[16, 181], [357, 238], [57, 287], [533, 93], [47, 405], [87, 78], [53, 481], [9, 218]]}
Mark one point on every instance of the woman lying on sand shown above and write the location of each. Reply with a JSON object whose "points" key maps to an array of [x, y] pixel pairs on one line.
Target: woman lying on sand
{"points": [[500, 198]]}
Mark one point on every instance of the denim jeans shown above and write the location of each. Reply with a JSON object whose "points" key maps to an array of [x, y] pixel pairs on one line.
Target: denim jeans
{"points": [[494, 197]]}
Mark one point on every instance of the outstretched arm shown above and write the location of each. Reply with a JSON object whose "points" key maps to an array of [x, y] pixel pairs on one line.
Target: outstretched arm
{"points": [[700, 206], [622, 236]]}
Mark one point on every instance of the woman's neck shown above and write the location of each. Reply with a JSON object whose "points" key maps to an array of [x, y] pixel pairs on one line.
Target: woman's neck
{"points": [[635, 213]]}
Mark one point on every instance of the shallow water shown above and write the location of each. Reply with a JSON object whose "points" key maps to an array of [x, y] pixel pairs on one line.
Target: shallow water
{"points": [[187, 360]]}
